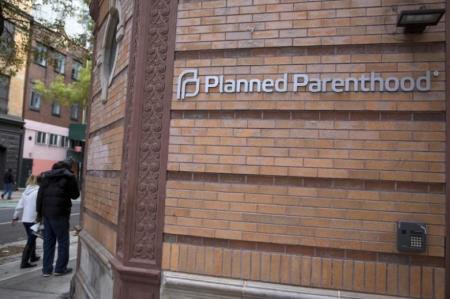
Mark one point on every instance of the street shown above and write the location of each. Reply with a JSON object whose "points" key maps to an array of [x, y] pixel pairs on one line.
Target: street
{"points": [[10, 233]]}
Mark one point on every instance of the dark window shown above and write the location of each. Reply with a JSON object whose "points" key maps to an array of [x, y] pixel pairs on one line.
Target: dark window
{"points": [[76, 68], [41, 138], [64, 141], [40, 54], [59, 62], [35, 103], [111, 45], [4, 94], [53, 140], [74, 111], [56, 109]]}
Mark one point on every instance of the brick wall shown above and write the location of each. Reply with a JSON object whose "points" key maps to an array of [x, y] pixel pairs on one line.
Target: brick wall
{"points": [[102, 195], [379, 277], [274, 23], [306, 188], [47, 74], [106, 134]]}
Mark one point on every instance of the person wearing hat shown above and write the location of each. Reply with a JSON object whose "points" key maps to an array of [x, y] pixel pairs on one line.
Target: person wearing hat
{"points": [[53, 206]]}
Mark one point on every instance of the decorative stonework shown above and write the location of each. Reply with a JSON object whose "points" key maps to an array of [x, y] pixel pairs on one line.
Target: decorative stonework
{"points": [[148, 196], [139, 243]]}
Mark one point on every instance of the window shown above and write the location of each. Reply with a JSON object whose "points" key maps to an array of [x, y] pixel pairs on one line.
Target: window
{"points": [[64, 141], [4, 94], [41, 138], [111, 45], [76, 68], [112, 50], [53, 140], [35, 103], [40, 54], [59, 62], [56, 109], [74, 111], [7, 43]]}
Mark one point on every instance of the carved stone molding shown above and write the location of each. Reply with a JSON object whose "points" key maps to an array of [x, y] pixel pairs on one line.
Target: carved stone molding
{"points": [[141, 207]]}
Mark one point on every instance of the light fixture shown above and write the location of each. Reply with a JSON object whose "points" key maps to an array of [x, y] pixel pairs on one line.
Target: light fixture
{"points": [[415, 21]]}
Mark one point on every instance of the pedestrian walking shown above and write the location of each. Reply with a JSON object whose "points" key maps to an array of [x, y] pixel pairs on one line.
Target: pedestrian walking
{"points": [[8, 183], [53, 206], [26, 210]]}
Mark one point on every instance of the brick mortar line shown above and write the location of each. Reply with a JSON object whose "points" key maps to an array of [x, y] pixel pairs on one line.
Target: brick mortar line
{"points": [[312, 115], [379, 48], [300, 181], [312, 147]]}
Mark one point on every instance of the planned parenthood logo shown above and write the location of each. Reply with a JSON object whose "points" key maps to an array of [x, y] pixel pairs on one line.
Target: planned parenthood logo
{"points": [[372, 82], [185, 78]]}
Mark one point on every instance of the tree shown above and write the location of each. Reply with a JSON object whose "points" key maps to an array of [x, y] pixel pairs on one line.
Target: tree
{"points": [[15, 17], [13, 20], [68, 93]]}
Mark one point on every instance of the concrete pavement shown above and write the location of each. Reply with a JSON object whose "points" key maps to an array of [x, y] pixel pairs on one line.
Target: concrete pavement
{"points": [[29, 283]]}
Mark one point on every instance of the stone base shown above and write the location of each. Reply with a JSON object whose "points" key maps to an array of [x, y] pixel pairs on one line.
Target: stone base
{"points": [[188, 286], [93, 279]]}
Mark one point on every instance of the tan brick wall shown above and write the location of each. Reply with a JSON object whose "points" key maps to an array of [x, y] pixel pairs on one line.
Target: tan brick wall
{"points": [[275, 23], [323, 217], [103, 233], [322, 178], [105, 149], [106, 134], [102, 197], [113, 109], [375, 150], [296, 269]]}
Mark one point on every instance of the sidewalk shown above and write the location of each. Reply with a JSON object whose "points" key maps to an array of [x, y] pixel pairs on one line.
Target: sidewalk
{"points": [[29, 283], [4, 203]]}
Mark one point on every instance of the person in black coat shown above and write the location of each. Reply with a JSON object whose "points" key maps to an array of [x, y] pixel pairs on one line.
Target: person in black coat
{"points": [[8, 183], [53, 205]]}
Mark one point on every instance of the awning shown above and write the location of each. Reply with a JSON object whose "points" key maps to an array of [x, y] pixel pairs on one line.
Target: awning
{"points": [[77, 132]]}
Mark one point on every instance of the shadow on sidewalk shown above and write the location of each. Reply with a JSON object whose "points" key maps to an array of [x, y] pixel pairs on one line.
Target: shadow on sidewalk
{"points": [[29, 283], [33, 285]]}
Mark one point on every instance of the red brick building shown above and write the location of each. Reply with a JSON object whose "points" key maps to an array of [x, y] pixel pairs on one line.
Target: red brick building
{"points": [[266, 149], [46, 121]]}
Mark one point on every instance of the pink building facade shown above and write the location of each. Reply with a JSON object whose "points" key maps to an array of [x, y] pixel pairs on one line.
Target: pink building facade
{"points": [[44, 144]]}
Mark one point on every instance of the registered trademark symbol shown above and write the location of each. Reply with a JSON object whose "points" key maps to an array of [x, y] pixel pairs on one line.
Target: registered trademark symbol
{"points": [[435, 73]]}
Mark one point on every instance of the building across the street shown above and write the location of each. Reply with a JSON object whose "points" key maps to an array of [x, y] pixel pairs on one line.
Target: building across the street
{"points": [[12, 88], [47, 122], [267, 149]]}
